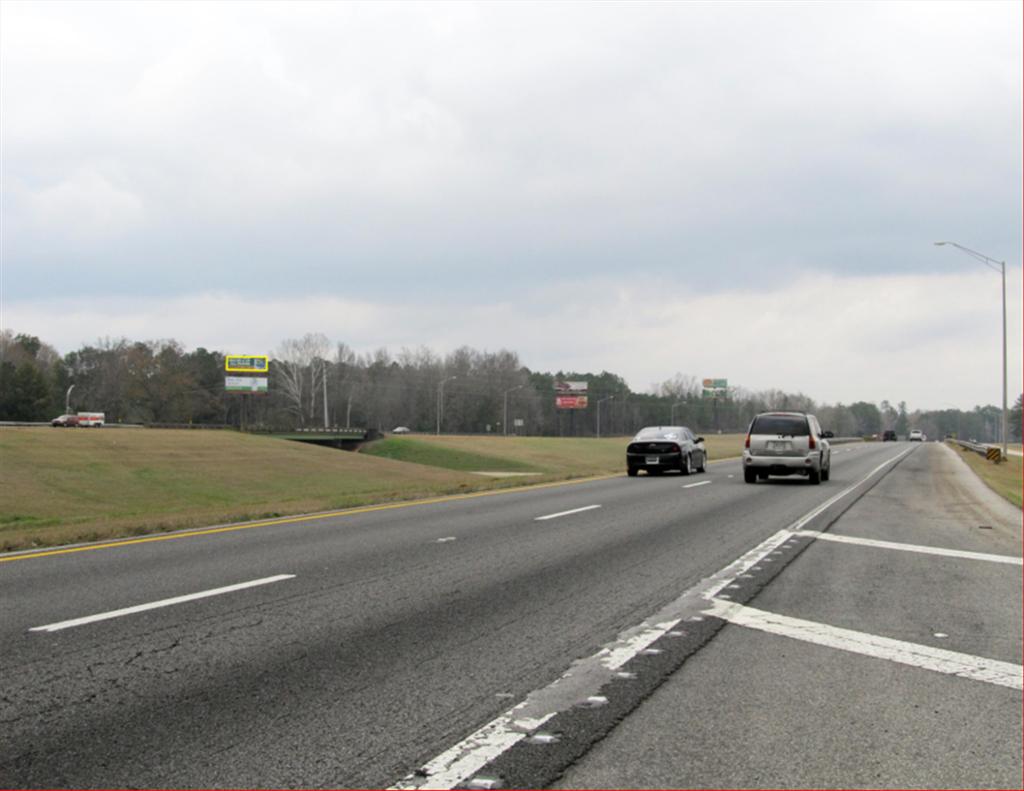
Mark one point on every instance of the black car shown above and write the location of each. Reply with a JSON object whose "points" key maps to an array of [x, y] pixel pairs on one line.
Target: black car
{"points": [[660, 448], [889, 436]]}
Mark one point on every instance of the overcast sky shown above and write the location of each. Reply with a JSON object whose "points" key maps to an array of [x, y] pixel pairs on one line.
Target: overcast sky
{"points": [[740, 190]]}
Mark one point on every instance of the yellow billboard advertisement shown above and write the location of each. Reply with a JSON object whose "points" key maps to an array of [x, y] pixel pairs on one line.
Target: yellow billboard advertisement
{"points": [[247, 363]]}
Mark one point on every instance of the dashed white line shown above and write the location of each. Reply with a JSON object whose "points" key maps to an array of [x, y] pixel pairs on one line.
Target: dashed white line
{"points": [[699, 483], [56, 627], [566, 513], [921, 548], [953, 663]]}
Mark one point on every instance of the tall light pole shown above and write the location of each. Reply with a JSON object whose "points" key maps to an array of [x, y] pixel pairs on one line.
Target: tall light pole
{"points": [[608, 398], [504, 423], [67, 400], [991, 264], [440, 401], [672, 419]]}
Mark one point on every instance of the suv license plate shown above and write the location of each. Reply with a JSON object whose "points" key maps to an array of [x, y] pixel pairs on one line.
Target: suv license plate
{"points": [[653, 460]]}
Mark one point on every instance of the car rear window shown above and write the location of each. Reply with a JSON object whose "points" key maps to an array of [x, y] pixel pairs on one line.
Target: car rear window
{"points": [[780, 424], [668, 432]]}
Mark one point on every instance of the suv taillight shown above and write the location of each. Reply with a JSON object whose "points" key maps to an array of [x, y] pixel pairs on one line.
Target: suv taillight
{"points": [[810, 441], [748, 441]]}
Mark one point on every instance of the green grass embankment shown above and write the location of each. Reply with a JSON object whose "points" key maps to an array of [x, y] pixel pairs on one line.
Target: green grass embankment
{"points": [[70, 485]]}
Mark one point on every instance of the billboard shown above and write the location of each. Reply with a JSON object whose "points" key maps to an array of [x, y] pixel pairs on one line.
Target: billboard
{"points": [[247, 363], [245, 384], [570, 402], [715, 388], [566, 388]]}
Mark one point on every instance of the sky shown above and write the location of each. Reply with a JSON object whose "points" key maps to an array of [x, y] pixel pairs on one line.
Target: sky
{"points": [[736, 190]]}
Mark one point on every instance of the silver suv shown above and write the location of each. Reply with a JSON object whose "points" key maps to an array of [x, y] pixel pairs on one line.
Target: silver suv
{"points": [[787, 443]]}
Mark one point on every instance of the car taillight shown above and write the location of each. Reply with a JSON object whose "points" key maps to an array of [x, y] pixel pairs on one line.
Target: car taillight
{"points": [[810, 441], [748, 441], [673, 449]]}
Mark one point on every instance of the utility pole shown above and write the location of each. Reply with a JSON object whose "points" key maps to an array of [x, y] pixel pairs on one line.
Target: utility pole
{"points": [[609, 398], [440, 401], [504, 423]]}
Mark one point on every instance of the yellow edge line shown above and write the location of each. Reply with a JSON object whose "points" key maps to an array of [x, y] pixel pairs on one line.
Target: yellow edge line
{"points": [[301, 518]]}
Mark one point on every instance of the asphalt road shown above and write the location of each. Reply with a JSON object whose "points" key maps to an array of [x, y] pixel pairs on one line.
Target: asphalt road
{"points": [[368, 644]]}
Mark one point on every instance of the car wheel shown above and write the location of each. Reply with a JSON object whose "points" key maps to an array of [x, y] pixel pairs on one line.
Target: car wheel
{"points": [[703, 462], [684, 465], [814, 477], [631, 472], [826, 472], [750, 476]]}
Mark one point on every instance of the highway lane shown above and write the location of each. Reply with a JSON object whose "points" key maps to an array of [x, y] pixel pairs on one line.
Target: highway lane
{"points": [[400, 631]]}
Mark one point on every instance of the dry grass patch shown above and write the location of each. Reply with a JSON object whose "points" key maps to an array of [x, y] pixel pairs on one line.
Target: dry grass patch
{"points": [[1003, 478]]}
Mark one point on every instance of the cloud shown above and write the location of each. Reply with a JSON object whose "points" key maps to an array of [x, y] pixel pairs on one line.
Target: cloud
{"points": [[348, 145], [85, 206], [930, 340]]}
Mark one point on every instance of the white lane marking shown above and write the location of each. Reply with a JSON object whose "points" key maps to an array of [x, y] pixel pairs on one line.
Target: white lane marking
{"points": [[566, 513], [445, 539], [455, 765], [953, 663], [701, 483], [56, 627], [586, 676], [952, 553]]}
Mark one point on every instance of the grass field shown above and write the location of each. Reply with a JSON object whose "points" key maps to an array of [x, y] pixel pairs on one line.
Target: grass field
{"points": [[69, 486], [1004, 478]]}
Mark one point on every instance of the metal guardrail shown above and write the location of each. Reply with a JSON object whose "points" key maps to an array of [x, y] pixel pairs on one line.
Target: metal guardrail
{"points": [[992, 454]]}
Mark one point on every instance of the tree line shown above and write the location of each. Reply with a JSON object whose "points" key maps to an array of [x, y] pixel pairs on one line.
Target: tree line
{"points": [[314, 382]]}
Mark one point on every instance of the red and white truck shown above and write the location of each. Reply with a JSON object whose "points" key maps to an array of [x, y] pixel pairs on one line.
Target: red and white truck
{"points": [[84, 419]]}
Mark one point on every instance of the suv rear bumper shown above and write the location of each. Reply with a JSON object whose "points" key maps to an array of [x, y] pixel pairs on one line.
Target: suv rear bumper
{"points": [[782, 465]]}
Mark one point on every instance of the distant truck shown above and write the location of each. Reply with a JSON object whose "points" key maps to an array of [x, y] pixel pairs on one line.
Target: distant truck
{"points": [[84, 419]]}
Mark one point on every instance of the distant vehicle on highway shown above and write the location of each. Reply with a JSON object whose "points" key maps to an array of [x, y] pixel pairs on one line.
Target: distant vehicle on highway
{"points": [[888, 436], [787, 443], [916, 435], [401, 430], [84, 419], [659, 448]]}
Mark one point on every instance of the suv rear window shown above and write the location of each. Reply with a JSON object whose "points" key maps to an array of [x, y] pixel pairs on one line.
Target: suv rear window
{"points": [[780, 424]]}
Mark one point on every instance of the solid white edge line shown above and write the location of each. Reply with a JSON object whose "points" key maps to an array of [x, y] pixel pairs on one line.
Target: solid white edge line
{"points": [[940, 660], [457, 764], [566, 513], [56, 627], [921, 548], [700, 483]]}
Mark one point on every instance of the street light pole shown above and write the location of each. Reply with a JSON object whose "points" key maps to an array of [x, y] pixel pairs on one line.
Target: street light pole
{"points": [[609, 398], [67, 400], [440, 401], [504, 423], [991, 264], [672, 419]]}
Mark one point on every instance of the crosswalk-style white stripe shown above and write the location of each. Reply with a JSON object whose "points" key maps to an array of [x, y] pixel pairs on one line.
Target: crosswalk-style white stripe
{"points": [[953, 663]]}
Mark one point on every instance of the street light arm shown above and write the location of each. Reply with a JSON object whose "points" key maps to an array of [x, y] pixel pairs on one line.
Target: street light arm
{"points": [[989, 262]]}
